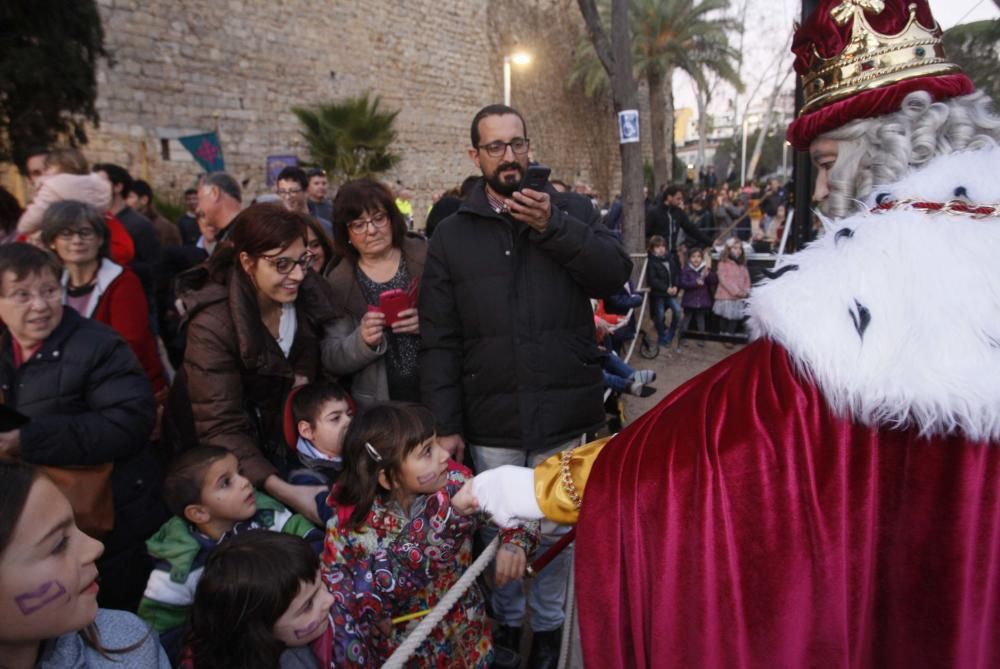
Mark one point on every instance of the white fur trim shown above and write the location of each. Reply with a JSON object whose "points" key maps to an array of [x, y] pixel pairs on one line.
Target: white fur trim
{"points": [[930, 356]]}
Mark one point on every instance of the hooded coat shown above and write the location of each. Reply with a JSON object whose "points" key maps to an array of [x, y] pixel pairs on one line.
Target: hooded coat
{"points": [[231, 389]]}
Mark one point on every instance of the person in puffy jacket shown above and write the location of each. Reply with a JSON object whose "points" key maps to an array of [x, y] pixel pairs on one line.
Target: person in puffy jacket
{"points": [[88, 403], [663, 277], [697, 280], [254, 318]]}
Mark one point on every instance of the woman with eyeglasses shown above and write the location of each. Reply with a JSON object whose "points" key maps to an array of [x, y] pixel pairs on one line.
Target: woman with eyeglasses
{"points": [[254, 315], [378, 256], [96, 286], [88, 404]]}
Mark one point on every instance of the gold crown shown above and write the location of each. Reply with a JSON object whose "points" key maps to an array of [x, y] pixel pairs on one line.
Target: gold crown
{"points": [[873, 60]]}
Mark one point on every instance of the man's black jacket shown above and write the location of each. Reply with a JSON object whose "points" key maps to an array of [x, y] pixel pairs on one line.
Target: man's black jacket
{"points": [[666, 221], [508, 355]]}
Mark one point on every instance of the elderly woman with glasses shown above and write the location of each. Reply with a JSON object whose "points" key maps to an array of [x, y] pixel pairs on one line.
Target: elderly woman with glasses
{"points": [[376, 345], [254, 317], [88, 404], [96, 286]]}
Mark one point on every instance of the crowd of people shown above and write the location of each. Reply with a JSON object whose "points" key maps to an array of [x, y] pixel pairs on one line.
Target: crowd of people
{"points": [[247, 438], [261, 412]]}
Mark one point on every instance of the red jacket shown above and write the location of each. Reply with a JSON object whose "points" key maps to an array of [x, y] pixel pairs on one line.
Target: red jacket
{"points": [[120, 302]]}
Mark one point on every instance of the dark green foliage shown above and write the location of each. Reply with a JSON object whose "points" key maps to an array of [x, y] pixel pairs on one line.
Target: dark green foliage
{"points": [[976, 48], [48, 59], [171, 209], [350, 138]]}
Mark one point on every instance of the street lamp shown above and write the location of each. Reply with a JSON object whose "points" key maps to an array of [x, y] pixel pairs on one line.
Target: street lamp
{"points": [[518, 58]]}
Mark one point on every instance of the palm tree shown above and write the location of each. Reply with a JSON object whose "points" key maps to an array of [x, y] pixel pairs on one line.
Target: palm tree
{"points": [[668, 35], [350, 138]]}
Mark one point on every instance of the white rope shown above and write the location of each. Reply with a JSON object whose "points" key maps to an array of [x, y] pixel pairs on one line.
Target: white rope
{"points": [[419, 634], [569, 622], [642, 315], [642, 309]]}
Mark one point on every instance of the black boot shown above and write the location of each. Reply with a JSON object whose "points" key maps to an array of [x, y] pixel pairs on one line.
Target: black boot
{"points": [[545, 649], [506, 647]]}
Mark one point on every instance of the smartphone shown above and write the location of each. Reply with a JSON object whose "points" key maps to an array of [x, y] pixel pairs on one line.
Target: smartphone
{"points": [[392, 302], [536, 177]]}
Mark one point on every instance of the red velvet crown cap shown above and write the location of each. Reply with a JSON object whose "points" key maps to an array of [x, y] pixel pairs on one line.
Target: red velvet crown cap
{"points": [[821, 34]]}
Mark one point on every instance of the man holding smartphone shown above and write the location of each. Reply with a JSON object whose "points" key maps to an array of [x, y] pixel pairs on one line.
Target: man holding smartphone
{"points": [[509, 360]]}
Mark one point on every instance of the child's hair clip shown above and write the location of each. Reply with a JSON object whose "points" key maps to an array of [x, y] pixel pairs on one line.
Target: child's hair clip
{"points": [[372, 452]]}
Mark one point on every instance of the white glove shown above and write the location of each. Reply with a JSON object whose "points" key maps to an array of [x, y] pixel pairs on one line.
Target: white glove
{"points": [[507, 493]]}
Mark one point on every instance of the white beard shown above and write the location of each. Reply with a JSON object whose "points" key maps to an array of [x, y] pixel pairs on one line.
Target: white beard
{"points": [[930, 354]]}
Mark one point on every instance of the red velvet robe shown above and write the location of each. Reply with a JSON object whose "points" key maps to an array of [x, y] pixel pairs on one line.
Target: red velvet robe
{"points": [[742, 524]]}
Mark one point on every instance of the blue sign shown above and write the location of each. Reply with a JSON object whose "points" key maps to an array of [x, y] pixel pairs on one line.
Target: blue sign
{"points": [[277, 163]]}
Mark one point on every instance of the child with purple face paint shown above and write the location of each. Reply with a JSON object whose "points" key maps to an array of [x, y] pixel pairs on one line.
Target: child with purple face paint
{"points": [[262, 603], [212, 501], [259, 605], [48, 587], [398, 482]]}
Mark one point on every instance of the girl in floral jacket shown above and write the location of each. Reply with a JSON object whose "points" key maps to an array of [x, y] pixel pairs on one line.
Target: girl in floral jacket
{"points": [[397, 482]]}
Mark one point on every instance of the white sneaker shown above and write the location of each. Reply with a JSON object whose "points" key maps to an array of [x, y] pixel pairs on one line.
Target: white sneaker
{"points": [[644, 376]]}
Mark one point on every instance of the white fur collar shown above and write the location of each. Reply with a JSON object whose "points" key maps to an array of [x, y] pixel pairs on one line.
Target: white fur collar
{"points": [[896, 315]]}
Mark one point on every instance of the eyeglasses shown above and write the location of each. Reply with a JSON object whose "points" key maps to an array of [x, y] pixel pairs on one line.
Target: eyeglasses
{"points": [[83, 233], [291, 192], [285, 265], [379, 221], [47, 293], [519, 145]]}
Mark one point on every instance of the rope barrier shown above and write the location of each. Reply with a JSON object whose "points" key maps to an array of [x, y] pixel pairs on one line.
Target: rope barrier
{"points": [[642, 309], [642, 315], [569, 622], [419, 634]]}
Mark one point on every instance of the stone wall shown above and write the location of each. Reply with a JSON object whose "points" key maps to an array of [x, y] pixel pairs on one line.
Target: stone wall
{"points": [[187, 66]]}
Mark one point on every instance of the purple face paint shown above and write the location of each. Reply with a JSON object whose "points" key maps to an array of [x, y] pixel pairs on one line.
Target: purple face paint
{"points": [[427, 478], [46, 594], [301, 634]]}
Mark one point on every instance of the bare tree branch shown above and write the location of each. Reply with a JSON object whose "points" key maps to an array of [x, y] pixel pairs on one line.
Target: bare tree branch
{"points": [[598, 36]]}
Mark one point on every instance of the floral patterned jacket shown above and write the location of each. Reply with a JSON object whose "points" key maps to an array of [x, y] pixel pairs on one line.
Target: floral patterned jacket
{"points": [[402, 563]]}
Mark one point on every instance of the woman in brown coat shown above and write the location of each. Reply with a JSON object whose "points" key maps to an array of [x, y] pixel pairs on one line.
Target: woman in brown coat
{"points": [[254, 315], [379, 357]]}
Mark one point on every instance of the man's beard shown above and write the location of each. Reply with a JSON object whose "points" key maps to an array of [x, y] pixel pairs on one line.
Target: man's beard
{"points": [[501, 187]]}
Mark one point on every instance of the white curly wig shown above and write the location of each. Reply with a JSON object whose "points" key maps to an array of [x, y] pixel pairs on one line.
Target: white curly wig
{"points": [[881, 150]]}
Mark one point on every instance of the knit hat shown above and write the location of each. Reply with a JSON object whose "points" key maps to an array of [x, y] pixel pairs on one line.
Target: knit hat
{"points": [[860, 58]]}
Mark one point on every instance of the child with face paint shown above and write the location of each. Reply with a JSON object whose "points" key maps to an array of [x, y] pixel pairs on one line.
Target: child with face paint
{"points": [[260, 603], [398, 482], [211, 501], [263, 603], [48, 587]]}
